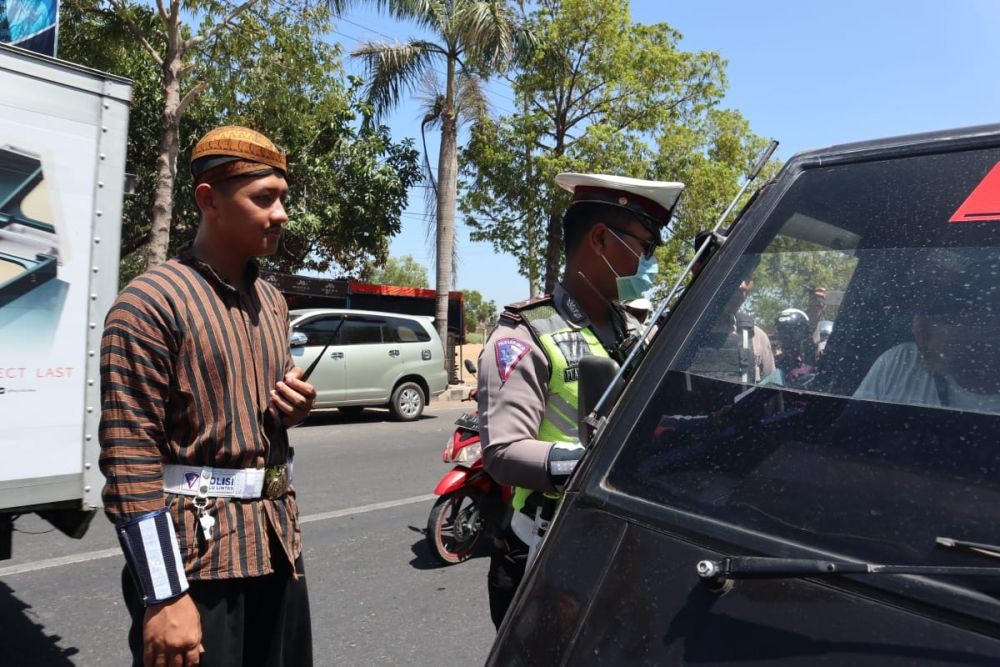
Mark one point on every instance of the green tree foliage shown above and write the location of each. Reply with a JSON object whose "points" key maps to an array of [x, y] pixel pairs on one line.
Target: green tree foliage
{"points": [[711, 155], [172, 47], [479, 314], [600, 94], [348, 179], [789, 272], [402, 271], [91, 34]]}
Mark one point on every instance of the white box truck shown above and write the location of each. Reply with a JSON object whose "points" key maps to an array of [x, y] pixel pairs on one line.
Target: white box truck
{"points": [[63, 135]]}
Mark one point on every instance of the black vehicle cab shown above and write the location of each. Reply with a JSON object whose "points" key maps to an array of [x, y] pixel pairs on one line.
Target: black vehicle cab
{"points": [[882, 447]]}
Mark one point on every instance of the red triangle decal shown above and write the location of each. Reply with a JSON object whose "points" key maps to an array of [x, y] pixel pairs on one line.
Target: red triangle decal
{"points": [[983, 203]]}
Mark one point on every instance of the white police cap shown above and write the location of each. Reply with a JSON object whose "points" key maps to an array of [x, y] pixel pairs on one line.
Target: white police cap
{"points": [[641, 303], [651, 201]]}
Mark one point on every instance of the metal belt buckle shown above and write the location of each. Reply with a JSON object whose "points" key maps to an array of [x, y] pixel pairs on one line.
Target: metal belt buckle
{"points": [[275, 481]]}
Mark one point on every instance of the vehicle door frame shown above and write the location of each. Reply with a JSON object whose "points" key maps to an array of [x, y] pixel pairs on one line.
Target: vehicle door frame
{"points": [[374, 384], [331, 365], [589, 488]]}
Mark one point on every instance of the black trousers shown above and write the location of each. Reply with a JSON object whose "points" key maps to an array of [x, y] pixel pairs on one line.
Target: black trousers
{"points": [[254, 621], [508, 561]]}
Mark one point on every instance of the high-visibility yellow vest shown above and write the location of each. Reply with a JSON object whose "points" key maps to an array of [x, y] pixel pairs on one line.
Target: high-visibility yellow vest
{"points": [[563, 345]]}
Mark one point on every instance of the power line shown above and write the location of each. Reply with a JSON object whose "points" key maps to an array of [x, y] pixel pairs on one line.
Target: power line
{"points": [[354, 23], [344, 34]]}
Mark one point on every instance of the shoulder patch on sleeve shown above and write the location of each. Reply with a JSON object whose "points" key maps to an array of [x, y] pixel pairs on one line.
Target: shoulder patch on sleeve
{"points": [[509, 352]]}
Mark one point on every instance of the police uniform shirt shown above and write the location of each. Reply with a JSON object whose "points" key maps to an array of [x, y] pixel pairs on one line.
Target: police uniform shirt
{"points": [[513, 386], [763, 353]]}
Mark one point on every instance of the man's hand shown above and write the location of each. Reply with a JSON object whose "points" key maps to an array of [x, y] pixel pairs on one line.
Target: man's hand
{"points": [[817, 304], [293, 398], [563, 457], [171, 634]]}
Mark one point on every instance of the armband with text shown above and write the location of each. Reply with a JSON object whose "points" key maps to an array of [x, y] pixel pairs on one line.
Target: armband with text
{"points": [[153, 557]]}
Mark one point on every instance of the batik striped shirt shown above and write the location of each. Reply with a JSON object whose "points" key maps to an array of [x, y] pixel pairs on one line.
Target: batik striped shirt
{"points": [[188, 361]]}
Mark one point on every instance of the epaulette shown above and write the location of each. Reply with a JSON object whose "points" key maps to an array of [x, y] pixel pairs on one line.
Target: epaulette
{"points": [[512, 311]]}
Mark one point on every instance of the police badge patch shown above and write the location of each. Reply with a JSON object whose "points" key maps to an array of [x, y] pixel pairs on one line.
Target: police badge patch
{"points": [[573, 346], [509, 352]]}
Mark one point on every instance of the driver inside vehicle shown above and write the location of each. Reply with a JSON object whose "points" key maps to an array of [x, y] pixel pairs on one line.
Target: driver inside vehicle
{"points": [[954, 358]]}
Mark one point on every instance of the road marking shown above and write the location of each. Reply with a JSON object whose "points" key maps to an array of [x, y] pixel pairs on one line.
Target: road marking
{"points": [[59, 562], [109, 553], [350, 511]]}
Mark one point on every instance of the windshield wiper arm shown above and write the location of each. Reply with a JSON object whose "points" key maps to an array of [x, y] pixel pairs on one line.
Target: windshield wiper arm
{"points": [[760, 567], [988, 550]]}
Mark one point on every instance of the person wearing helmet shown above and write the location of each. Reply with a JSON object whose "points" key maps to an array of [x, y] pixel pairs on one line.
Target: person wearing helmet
{"points": [[796, 360], [528, 369], [197, 387], [823, 330]]}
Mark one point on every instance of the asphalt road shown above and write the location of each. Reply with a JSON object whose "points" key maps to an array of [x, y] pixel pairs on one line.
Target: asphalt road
{"points": [[377, 597]]}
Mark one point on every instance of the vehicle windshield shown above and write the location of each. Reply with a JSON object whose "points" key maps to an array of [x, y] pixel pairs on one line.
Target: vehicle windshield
{"points": [[842, 386]]}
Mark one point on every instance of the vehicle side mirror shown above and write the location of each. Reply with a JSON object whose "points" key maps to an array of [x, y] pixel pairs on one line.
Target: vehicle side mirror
{"points": [[298, 339], [469, 366], [595, 376]]}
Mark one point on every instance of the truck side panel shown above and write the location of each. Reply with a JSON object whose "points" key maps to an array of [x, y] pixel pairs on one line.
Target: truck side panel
{"points": [[63, 135]]}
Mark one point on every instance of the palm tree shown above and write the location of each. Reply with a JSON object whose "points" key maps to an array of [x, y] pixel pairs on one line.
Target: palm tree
{"points": [[473, 39], [471, 105]]}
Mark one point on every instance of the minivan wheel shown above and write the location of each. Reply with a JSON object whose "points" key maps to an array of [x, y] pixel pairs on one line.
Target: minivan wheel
{"points": [[407, 402]]}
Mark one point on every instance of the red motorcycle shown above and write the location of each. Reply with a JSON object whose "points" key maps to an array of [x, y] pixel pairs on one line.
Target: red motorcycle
{"points": [[471, 504]]}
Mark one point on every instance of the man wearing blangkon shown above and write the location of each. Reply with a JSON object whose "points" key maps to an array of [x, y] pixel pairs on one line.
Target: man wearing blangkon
{"points": [[197, 388], [527, 372]]}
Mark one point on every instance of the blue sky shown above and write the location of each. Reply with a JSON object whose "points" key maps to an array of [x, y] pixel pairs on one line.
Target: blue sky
{"points": [[808, 74]]}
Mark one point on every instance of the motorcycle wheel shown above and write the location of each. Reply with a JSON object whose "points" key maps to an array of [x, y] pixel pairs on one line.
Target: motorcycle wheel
{"points": [[455, 526]]}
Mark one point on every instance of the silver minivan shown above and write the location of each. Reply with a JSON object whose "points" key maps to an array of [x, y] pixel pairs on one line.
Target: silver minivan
{"points": [[370, 359]]}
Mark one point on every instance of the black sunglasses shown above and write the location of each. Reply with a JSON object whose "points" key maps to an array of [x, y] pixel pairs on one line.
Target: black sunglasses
{"points": [[648, 245]]}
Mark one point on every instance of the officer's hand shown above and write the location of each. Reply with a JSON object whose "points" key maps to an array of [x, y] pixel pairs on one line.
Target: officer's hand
{"points": [[563, 457], [171, 633], [293, 397]]}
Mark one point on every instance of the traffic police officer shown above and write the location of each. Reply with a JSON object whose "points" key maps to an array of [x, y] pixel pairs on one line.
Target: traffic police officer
{"points": [[527, 373]]}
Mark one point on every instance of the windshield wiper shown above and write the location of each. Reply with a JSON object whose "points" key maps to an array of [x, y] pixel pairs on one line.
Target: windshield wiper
{"points": [[988, 550], [760, 567]]}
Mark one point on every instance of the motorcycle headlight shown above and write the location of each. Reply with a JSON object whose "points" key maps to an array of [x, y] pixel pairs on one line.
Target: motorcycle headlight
{"points": [[469, 453]]}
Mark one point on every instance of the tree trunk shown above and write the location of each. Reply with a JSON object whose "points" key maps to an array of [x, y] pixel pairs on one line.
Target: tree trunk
{"points": [[553, 240], [447, 183], [532, 262], [553, 252], [166, 162], [530, 227]]}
